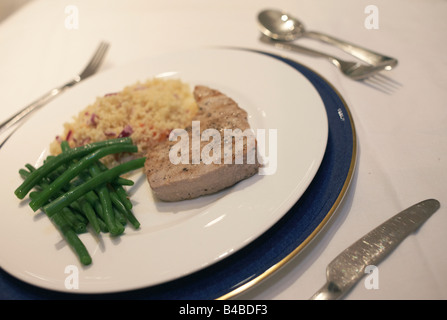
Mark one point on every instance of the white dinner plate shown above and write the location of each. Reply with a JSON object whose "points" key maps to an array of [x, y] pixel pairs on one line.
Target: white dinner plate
{"points": [[175, 239]]}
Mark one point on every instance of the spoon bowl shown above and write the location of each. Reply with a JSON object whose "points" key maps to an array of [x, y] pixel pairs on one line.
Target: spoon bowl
{"points": [[279, 25]]}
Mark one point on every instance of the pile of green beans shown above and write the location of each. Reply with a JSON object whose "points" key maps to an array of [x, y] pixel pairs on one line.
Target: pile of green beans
{"points": [[77, 191]]}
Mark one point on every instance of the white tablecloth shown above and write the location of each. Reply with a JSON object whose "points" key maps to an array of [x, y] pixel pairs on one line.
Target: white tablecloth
{"points": [[402, 137]]}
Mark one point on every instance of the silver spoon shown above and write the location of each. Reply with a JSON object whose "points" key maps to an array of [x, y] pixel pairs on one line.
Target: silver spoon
{"points": [[281, 26]]}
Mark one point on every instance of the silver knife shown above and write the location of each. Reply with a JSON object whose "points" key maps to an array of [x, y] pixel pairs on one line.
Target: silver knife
{"points": [[349, 266]]}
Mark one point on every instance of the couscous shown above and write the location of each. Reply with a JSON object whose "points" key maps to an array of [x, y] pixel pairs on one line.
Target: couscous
{"points": [[146, 112]]}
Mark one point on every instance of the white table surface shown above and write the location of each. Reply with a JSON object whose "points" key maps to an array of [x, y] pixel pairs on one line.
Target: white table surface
{"points": [[402, 137]]}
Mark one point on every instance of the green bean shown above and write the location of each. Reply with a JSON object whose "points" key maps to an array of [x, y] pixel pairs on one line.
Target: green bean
{"points": [[102, 178], [122, 194], [124, 182], [76, 208], [81, 191], [100, 201], [25, 173], [39, 187], [106, 202], [109, 215], [65, 146], [76, 221], [118, 187], [72, 219], [93, 200], [102, 225], [72, 238], [82, 204], [119, 217], [90, 213], [75, 169], [131, 218], [53, 175], [119, 180], [34, 194], [60, 159], [30, 167], [128, 214], [75, 205]]}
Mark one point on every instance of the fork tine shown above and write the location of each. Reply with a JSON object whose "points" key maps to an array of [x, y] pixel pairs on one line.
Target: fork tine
{"points": [[382, 83], [99, 56], [95, 61], [375, 84], [389, 80]]}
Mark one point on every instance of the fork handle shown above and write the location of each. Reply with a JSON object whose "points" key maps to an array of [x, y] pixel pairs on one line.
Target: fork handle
{"points": [[361, 53], [36, 104]]}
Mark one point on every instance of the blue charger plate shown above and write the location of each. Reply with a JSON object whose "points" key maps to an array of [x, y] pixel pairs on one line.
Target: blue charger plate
{"points": [[269, 252]]}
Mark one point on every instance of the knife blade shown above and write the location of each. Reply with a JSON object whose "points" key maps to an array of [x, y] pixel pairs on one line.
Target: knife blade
{"points": [[349, 266]]}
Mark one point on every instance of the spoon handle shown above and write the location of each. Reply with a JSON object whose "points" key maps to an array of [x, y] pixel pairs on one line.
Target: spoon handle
{"points": [[364, 54], [294, 47], [297, 48]]}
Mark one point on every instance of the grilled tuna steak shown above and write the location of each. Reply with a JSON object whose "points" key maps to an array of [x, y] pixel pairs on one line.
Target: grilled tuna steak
{"points": [[210, 170]]}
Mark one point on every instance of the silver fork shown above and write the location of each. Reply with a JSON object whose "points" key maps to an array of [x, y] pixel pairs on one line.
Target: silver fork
{"points": [[90, 69], [369, 74]]}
